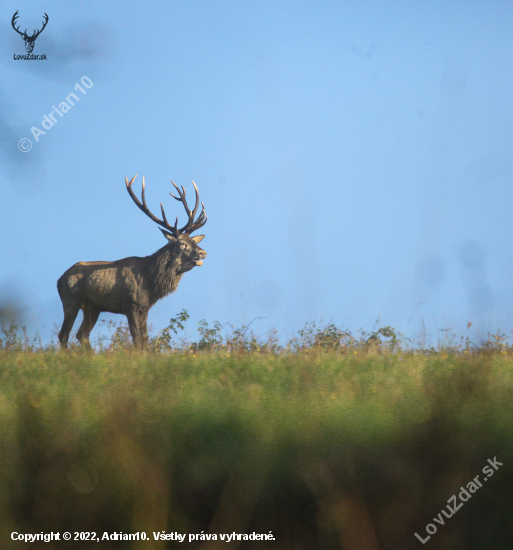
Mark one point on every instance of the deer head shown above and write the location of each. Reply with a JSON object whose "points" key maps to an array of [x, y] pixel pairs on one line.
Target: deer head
{"points": [[189, 254], [29, 40]]}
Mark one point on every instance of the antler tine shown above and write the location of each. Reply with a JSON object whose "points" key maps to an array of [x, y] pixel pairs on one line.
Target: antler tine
{"points": [[143, 191], [163, 213], [201, 221], [181, 198], [202, 215], [197, 200], [175, 227]]}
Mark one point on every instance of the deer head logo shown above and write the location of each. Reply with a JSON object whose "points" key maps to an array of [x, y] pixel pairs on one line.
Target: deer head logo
{"points": [[29, 40]]}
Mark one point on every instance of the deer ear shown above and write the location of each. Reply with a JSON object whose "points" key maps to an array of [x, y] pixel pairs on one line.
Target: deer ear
{"points": [[169, 236], [198, 238]]}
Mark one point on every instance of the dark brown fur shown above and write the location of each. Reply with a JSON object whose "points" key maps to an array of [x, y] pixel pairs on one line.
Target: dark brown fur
{"points": [[130, 286]]}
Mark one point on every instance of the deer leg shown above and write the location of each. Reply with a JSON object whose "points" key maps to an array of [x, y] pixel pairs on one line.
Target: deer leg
{"points": [[91, 315], [70, 314], [143, 328], [134, 326]]}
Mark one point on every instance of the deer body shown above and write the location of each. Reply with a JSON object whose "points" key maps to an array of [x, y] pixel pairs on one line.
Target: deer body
{"points": [[130, 286]]}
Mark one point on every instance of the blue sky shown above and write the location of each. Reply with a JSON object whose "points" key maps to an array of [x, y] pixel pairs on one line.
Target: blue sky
{"points": [[355, 158]]}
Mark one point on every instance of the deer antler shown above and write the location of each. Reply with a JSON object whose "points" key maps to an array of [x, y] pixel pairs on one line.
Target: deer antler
{"points": [[34, 36], [24, 34], [191, 224], [14, 17]]}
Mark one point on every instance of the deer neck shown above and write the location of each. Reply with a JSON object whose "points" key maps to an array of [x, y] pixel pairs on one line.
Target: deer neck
{"points": [[163, 273]]}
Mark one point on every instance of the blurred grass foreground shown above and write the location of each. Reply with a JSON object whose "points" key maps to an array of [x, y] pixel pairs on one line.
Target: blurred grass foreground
{"points": [[355, 445]]}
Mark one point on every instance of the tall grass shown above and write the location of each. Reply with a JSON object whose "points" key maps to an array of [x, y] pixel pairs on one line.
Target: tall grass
{"points": [[354, 445], [228, 338]]}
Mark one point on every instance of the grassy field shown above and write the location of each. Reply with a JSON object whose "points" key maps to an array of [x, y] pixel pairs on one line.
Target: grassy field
{"points": [[349, 448]]}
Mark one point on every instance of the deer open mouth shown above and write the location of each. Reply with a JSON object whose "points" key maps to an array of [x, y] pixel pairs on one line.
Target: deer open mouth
{"points": [[199, 262]]}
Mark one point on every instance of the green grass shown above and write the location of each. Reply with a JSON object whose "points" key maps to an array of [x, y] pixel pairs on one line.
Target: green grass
{"points": [[326, 449]]}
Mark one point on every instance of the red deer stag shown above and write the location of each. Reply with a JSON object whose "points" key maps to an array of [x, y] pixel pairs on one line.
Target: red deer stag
{"points": [[131, 286]]}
